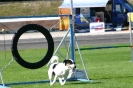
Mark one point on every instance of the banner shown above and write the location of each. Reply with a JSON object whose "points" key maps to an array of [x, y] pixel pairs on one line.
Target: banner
{"points": [[97, 27], [130, 17]]}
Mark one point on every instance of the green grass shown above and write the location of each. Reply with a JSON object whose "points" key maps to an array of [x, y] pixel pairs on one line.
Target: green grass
{"points": [[108, 68], [34, 8]]}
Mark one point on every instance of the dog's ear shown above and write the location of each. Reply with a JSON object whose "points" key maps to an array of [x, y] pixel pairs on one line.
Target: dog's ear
{"points": [[65, 61]]}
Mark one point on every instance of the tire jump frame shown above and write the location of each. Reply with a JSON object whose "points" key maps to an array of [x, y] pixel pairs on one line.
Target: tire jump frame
{"points": [[19, 59]]}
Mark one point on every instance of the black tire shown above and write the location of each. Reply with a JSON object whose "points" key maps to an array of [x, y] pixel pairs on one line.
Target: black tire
{"points": [[48, 55]]}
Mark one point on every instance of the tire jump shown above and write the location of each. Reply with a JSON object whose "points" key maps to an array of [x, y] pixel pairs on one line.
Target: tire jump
{"points": [[49, 52]]}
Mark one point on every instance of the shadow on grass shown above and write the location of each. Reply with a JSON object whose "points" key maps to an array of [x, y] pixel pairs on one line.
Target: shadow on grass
{"points": [[79, 82], [47, 81], [23, 83]]}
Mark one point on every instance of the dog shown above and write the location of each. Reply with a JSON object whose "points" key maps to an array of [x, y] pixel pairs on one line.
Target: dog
{"points": [[60, 70]]}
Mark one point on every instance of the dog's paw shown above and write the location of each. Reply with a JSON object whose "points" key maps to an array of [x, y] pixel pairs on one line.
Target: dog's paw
{"points": [[62, 84], [51, 84]]}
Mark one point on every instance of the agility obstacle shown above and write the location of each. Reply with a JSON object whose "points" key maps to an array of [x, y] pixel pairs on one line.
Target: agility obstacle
{"points": [[19, 59], [48, 55], [130, 20], [73, 42]]}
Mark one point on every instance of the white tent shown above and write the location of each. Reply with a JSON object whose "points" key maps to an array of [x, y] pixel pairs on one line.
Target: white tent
{"points": [[84, 3]]}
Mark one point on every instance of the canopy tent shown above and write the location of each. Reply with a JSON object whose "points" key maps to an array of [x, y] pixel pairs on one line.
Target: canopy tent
{"points": [[84, 3]]}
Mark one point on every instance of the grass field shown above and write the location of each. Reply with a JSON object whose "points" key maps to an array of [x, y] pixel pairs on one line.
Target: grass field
{"points": [[108, 68], [30, 8]]}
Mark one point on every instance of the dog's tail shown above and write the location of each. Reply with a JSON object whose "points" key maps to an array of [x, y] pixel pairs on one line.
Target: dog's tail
{"points": [[53, 59]]}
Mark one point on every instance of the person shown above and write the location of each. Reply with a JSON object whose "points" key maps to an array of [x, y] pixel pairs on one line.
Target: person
{"points": [[98, 19], [83, 11]]}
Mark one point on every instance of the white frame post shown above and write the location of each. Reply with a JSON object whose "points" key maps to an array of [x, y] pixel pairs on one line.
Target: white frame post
{"points": [[130, 28]]}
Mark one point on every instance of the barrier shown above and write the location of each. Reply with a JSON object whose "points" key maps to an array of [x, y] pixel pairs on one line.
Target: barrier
{"points": [[16, 23]]}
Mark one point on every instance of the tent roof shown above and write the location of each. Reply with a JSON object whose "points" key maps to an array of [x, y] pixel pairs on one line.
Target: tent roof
{"points": [[84, 3]]}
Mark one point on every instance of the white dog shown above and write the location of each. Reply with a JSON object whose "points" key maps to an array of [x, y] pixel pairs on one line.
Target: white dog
{"points": [[60, 70]]}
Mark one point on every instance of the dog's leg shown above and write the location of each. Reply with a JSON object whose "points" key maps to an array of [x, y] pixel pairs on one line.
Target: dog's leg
{"points": [[65, 78], [54, 80], [50, 76], [61, 81], [64, 82]]}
